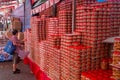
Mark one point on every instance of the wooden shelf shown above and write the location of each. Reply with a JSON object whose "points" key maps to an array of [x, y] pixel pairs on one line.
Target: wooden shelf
{"points": [[115, 65]]}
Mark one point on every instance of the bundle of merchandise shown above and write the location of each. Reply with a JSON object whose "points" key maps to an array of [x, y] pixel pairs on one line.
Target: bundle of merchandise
{"points": [[53, 58], [75, 57], [65, 22], [116, 59], [53, 32], [85, 2], [65, 5], [27, 40], [94, 25], [41, 23], [97, 75]]}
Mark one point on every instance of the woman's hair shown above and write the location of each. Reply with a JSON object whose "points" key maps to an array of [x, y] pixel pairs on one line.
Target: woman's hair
{"points": [[14, 32]]}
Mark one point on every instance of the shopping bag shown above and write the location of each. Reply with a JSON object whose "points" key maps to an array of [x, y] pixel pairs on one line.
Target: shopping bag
{"points": [[23, 54], [9, 47]]}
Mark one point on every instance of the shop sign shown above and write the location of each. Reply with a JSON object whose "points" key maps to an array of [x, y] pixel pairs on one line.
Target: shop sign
{"points": [[47, 4], [40, 8], [51, 2], [44, 6], [56, 1]]}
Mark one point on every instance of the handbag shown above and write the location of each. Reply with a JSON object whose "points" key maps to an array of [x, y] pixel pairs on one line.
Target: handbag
{"points": [[9, 47]]}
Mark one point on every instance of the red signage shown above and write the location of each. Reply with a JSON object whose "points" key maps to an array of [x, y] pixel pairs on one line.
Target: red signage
{"points": [[44, 6]]}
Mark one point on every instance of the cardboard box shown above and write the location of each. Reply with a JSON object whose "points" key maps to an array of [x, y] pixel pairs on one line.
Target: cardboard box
{"points": [[8, 34], [17, 25]]}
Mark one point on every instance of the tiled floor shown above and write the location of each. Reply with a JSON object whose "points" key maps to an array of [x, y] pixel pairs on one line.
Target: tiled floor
{"points": [[6, 72]]}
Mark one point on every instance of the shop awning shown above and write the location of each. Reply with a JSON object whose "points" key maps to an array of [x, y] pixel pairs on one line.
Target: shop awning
{"points": [[38, 3], [41, 5]]}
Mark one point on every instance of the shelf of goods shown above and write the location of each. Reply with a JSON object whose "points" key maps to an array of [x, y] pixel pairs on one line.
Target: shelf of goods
{"points": [[116, 59], [60, 54]]}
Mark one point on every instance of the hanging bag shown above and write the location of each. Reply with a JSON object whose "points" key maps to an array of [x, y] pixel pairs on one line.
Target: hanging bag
{"points": [[9, 47]]}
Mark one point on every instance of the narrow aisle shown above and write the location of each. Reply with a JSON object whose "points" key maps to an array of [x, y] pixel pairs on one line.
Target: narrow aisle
{"points": [[6, 72]]}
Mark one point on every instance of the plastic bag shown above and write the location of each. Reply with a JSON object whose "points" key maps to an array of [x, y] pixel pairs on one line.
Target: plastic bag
{"points": [[22, 54], [3, 57]]}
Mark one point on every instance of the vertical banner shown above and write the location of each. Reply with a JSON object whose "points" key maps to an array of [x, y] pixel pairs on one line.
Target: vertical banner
{"points": [[56, 1], [40, 8], [27, 13], [51, 2], [37, 10], [43, 7], [47, 4]]}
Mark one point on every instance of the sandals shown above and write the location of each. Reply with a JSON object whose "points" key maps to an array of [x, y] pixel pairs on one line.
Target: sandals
{"points": [[17, 71]]}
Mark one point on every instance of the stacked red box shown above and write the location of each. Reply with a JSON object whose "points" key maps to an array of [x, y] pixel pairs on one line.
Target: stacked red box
{"points": [[65, 5], [41, 23], [90, 22], [97, 75], [114, 14], [70, 40], [65, 64], [26, 42], [50, 60], [46, 57], [65, 21], [93, 22], [73, 57], [53, 62], [53, 32], [52, 49], [55, 41], [34, 41], [53, 26], [116, 59], [27, 38], [42, 55], [62, 55], [85, 2], [80, 61], [57, 57]]}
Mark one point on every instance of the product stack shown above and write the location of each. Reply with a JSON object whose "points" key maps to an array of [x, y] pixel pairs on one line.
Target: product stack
{"points": [[53, 26], [35, 38], [94, 25], [115, 20], [116, 60], [42, 29], [27, 39], [67, 41], [53, 32], [53, 49], [54, 62], [65, 20], [65, 5], [63, 55], [41, 56], [85, 2], [75, 57]]}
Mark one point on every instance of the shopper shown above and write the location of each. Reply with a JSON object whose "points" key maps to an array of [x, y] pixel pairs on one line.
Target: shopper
{"points": [[16, 58]]}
